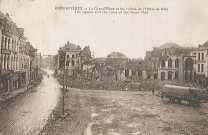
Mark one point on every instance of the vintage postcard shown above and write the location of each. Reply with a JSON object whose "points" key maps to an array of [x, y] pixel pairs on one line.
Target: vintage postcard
{"points": [[103, 67]]}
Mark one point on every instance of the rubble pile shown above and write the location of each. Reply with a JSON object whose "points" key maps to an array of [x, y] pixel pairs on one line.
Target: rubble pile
{"points": [[111, 84]]}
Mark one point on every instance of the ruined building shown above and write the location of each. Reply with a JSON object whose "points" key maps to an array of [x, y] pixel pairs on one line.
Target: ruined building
{"points": [[72, 58], [171, 62], [202, 64]]}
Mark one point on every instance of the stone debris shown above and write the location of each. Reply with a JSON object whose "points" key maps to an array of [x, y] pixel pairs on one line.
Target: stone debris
{"points": [[111, 84]]}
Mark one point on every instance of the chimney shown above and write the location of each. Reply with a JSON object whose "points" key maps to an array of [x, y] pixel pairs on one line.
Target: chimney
{"points": [[67, 42], [7, 14]]}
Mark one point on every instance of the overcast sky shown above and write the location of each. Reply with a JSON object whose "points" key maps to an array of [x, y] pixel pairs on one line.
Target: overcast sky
{"points": [[48, 29]]}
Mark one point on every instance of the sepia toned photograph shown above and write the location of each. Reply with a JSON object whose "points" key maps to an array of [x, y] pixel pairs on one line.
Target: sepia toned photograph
{"points": [[103, 67]]}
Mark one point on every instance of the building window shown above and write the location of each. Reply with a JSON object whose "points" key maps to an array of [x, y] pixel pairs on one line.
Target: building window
{"points": [[163, 63], [73, 63], [73, 56], [169, 75], [73, 72], [9, 46], [139, 73], [67, 63], [170, 63], [14, 84], [154, 65], [198, 67], [127, 73], [194, 75], [202, 67], [186, 75], [176, 74], [189, 63], [191, 74], [155, 76], [4, 62], [163, 76], [5, 44], [198, 56], [2, 42], [202, 56], [177, 63]]}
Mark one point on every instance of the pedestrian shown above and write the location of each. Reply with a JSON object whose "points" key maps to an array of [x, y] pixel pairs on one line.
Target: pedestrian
{"points": [[28, 86], [153, 91]]}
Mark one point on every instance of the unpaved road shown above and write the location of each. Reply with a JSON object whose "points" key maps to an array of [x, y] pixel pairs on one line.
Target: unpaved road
{"points": [[28, 114], [100, 112]]}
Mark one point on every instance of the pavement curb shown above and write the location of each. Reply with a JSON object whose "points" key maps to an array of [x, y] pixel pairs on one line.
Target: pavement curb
{"points": [[16, 93]]}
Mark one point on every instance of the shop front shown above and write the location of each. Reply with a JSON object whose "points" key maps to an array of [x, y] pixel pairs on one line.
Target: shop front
{"points": [[4, 82], [13, 81]]}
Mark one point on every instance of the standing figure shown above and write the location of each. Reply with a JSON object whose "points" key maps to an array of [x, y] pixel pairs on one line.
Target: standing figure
{"points": [[153, 91]]}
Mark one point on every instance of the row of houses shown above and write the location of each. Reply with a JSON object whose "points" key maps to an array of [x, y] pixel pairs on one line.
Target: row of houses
{"points": [[18, 58]]}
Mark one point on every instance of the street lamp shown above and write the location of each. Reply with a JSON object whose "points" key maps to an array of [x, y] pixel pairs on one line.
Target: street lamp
{"points": [[66, 64], [63, 90]]}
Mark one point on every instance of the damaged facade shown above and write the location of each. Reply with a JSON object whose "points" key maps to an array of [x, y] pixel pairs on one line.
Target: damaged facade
{"points": [[171, 62], [118, 65], [136, 67], [202, 64], [73, 59]]}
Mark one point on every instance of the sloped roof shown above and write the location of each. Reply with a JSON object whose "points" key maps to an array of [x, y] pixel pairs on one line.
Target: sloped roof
{"points": [[116, 61], [10, 26], [188, 45], [205, 44], [3, 16], [135, 64], [70, 47], [116, 55], [30, 47], [169, 45]]}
